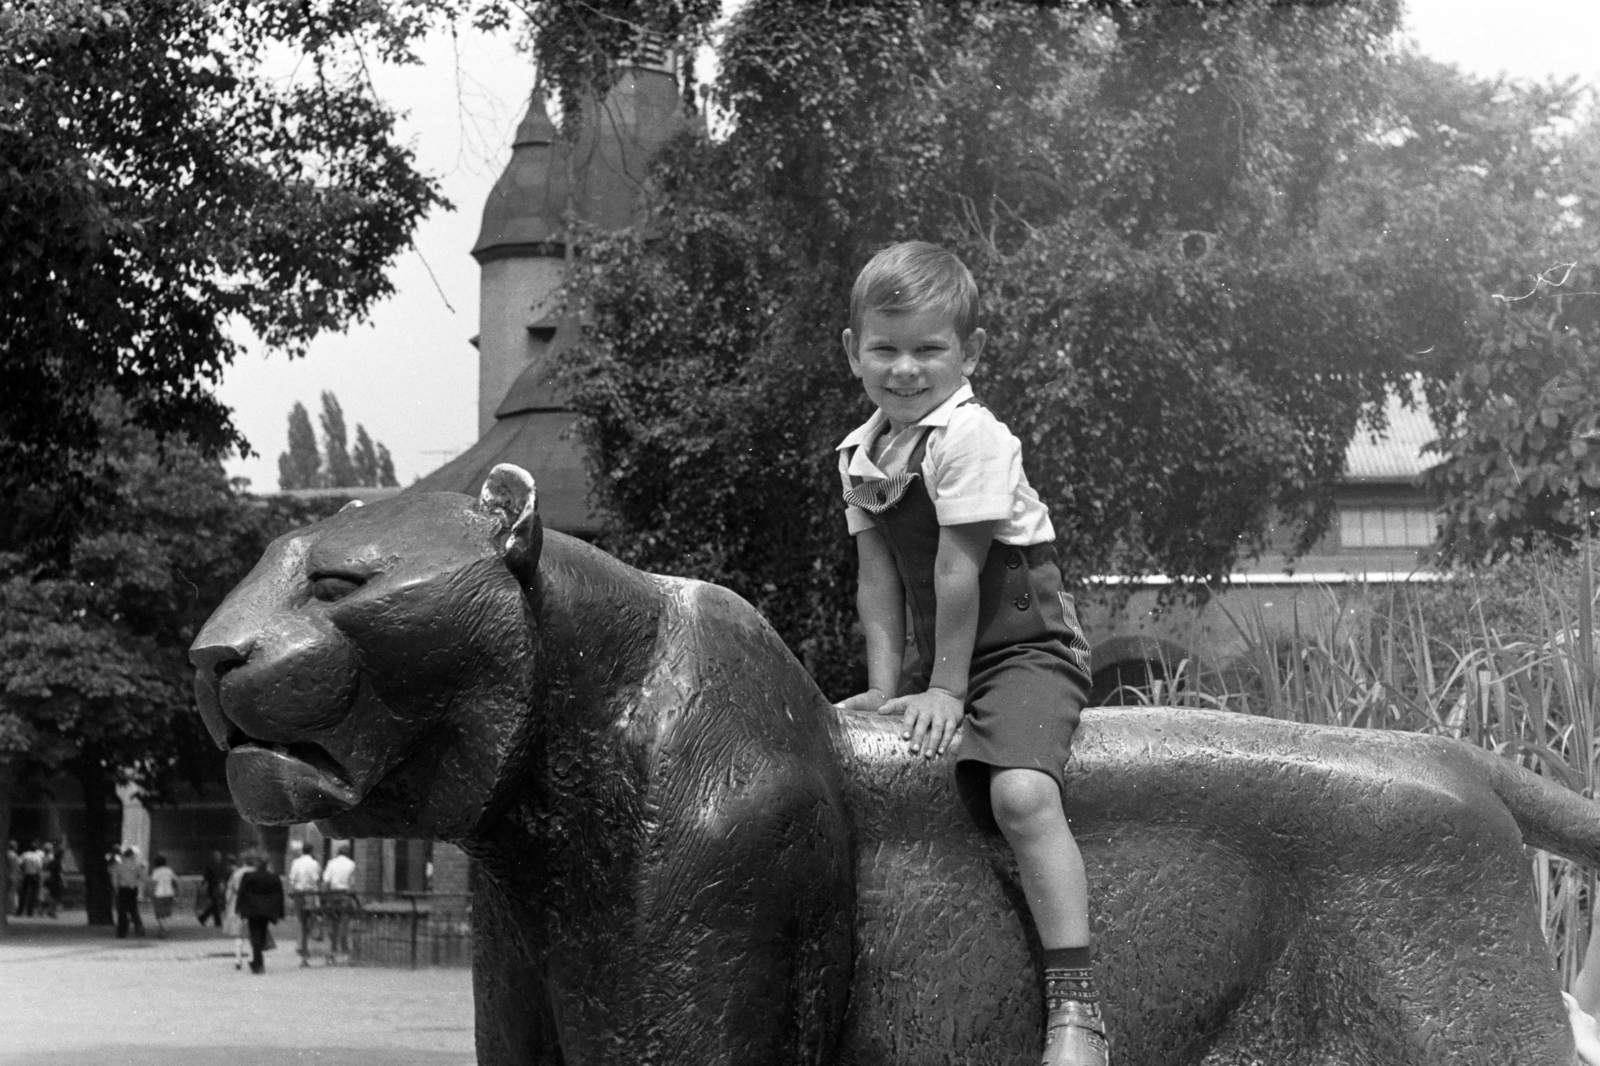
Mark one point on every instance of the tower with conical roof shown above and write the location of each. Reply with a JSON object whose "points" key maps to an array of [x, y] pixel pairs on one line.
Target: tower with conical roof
{"points": [[522, 250]]}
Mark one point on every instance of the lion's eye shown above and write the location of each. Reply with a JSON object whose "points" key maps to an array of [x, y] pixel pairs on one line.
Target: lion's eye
{"points": [[330, 587]]}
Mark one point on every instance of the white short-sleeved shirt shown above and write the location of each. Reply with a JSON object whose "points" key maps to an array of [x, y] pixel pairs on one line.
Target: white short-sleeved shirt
{"points": [[304, 873], [972, 467], [164, 882], [340, 872]]}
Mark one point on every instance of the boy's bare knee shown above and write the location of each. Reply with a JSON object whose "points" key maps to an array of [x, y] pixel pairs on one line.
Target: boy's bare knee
{"points": [[1020, 798]]}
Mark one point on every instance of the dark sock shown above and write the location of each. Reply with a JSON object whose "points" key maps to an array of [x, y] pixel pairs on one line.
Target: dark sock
{"points": [[1069, 976], [1068, 958]]}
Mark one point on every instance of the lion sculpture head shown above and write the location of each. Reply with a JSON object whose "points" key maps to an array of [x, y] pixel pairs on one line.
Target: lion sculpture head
{"points": [[371, 671]]}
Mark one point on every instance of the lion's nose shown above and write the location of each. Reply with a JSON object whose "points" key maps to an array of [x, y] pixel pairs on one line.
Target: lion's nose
{"points": [[211, 661]]}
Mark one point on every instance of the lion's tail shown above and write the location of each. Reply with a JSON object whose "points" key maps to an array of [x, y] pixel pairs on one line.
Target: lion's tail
{"points": [[1551, 817]]}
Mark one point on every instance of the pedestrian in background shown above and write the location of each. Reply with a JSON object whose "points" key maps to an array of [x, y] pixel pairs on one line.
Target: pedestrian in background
{"points": [[13, 875], [213, 884], [233, 924], [55, 885], [260, 904], [32, 880], [305, 873], [127, 877], [163, 893], [339, 901]]}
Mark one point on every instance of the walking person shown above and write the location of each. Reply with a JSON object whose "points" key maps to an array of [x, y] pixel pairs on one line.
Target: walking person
{"points": [[13, 875], [233, 924], [213, 885], [305, 873], [55, 884], [339, 901], [32, 880], [127, 877], [260, 904], [163, 893]]}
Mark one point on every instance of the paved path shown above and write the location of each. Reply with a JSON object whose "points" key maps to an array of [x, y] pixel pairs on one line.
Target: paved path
{"points": [[71, 995]]}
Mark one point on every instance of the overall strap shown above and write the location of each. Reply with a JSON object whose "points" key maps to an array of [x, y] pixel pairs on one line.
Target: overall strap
{"points": [[914, 460]]}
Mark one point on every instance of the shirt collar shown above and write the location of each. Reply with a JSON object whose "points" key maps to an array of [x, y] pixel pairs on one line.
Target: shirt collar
{"points": [[939, 416]]}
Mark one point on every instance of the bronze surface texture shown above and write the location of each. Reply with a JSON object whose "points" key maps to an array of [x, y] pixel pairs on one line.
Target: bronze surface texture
{"points": [[683, 854]]}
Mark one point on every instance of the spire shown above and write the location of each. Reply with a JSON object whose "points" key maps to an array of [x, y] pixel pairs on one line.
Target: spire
{"points": [[523, 213]]}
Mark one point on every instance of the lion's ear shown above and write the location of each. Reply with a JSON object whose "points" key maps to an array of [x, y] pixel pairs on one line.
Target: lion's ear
{"points": [[509, 496]]}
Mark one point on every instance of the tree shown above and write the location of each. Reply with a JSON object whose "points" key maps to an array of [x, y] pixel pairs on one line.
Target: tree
{"points": [[364, 458], [94, 677], [1509, 178], [386, 476], [1140, 189], [337, 470], [300, 467], [155, 182]]}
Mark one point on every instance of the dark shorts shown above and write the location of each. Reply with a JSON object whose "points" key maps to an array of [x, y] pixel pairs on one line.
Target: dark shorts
{"points": [[1022, 709], [163, 906]]}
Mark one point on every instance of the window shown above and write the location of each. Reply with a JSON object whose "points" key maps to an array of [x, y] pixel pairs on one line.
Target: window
{"points": [[1387, 527]]}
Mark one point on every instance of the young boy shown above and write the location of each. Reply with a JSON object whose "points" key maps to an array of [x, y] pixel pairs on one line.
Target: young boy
{"points": [[948, 531]]}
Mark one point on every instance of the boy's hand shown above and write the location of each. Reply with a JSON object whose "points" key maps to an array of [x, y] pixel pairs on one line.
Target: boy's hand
{"points": [[871, 700], [932, 720]]}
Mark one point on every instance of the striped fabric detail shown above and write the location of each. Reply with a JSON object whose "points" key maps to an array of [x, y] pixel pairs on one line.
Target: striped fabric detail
{"points": [[1077, 647], [877, 495]]}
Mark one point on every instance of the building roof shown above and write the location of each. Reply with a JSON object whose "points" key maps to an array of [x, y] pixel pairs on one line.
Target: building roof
{"points": [[1396, 456], [542, 443], [535, 388], [524, 212], [364, 493], [594, 177]]}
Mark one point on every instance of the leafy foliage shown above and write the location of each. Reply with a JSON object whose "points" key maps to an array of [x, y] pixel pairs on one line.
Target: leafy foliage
{"points": [[1212, 239], [1139, 190], [94, 678], [154, 182], [96, 650], [1484, 196], [576, 43]]}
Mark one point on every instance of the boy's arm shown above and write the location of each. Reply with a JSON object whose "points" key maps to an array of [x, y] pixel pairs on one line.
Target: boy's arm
{"points": [[880, 602], [933, 717]]}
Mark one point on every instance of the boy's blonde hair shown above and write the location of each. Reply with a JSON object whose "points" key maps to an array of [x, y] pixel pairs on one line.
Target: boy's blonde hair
{"points": [[911, 276]]}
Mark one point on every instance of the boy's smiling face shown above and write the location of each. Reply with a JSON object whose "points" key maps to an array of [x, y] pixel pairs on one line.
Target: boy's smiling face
{"points": [[911, 362]]}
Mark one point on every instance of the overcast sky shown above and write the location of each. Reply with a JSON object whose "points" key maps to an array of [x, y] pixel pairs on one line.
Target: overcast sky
{"points": [[410, 375]]}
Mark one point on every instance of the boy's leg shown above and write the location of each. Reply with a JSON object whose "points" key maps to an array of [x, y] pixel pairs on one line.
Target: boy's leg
{"points": [[1027, 807]]}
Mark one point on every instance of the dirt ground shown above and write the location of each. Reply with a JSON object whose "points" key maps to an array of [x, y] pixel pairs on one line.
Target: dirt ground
{"points": [[72, 994]]}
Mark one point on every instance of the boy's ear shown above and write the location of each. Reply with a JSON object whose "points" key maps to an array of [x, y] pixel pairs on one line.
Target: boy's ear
{"points": [[972, 350], [849, 340]]}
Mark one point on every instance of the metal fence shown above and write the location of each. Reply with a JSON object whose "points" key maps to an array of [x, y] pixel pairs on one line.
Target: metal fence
{"points": [[409, 929]]}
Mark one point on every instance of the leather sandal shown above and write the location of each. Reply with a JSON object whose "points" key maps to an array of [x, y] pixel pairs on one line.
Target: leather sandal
{"points": [[1074, 1035]]}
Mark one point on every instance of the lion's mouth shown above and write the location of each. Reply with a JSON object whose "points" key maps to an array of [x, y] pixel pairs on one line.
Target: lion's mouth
{"points": [[275, 783], [314, 755]]}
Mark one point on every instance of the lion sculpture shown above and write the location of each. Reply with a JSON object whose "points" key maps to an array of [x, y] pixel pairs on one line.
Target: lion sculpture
{"points": [[684, 854]]}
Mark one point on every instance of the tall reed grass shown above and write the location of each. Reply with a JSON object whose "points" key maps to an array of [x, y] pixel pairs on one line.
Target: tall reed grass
{"points": [[1505, 659]]}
